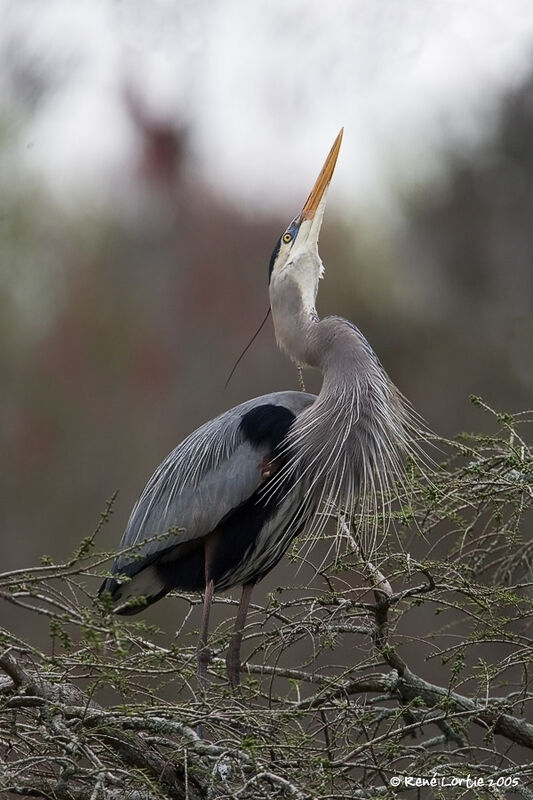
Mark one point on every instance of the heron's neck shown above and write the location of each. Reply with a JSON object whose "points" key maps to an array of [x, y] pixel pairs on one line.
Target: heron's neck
{"points": [[331, 345], [357, 399], [347, 443]]}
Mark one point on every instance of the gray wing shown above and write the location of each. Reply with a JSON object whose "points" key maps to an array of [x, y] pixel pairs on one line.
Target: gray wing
{"points": [[208, 475]]}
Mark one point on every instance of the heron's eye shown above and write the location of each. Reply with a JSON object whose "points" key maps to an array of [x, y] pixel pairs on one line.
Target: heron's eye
{"points": [[287, 237]]}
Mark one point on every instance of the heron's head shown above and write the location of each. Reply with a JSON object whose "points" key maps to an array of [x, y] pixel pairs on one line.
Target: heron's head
{"points": [[295, 257], [295, 265]]}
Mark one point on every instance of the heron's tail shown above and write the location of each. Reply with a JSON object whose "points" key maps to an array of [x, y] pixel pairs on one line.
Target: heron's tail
{"points": [[137, 592]]}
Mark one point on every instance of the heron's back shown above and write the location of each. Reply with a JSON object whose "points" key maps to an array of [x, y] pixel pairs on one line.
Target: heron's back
{"points": [[212, 486]]}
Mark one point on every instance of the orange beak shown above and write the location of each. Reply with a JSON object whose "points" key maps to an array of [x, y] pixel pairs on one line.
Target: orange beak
{"points": [[323, 180]]}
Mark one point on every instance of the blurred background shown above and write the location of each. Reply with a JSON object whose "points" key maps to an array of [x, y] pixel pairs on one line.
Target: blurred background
{"points": [[152, 152]]}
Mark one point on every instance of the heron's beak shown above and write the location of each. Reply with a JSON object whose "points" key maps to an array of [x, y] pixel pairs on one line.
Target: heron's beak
{"points": [[318, 193]]}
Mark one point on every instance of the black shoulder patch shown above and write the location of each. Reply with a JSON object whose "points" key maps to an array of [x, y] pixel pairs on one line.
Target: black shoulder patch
{"points": [[266, 424]]}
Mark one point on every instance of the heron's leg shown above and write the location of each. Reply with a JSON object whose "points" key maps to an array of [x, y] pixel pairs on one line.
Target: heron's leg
{"points": [[233, 656], [203, 651]]}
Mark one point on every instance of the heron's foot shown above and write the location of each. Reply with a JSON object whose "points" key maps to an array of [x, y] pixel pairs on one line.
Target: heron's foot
{"points": [[233, 669]]}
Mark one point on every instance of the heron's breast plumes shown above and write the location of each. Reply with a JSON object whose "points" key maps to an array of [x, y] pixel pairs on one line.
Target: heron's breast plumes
{"points": [[346, 451]]}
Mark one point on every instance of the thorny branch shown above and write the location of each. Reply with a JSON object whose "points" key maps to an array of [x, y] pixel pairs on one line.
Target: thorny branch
{"points": [[416, 663]]}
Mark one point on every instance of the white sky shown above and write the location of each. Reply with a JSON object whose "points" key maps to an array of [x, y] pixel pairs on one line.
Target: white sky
{"points": [[264, 87]]}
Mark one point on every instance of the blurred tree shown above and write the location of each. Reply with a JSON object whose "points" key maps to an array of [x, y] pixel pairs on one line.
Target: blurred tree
{"points": [[468, 250]]}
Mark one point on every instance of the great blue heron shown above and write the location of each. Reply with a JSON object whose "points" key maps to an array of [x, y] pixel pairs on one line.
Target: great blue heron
{"points": [[234, 494]]}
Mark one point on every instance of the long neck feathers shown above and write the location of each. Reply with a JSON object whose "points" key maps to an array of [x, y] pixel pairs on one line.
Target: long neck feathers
{"points": [[347, 448]]}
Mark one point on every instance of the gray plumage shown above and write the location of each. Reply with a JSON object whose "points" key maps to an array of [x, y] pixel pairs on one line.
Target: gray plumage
{"points": [[242, 486], [212, 472]]}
